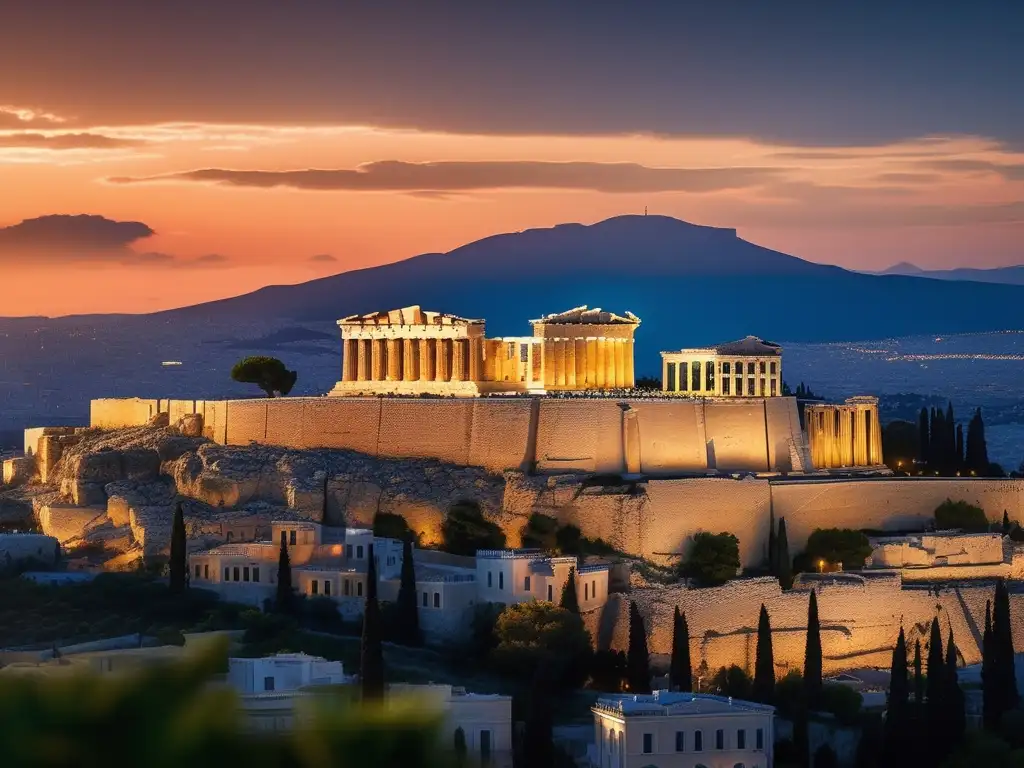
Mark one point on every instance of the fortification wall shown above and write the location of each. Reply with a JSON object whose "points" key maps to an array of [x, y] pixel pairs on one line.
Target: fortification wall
{"points": [[672, 436], [113, 413]]}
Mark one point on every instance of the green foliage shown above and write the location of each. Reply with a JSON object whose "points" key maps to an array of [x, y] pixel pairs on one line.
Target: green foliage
{"points": [[388, 525], [898, 719], [321, 614], [714, 558], [570, 600], [535, 633], [900, 445], [483, 639], [648, 383], [962, 515], [608, 670], [732, 682], [764, 665], [812, 655], [371, 652], [465, 530], [285, 601], [983, 749], [789, 692], [638, 662], [783, 569], [540, 532], [408, 620], [680, 674], [839, 545], [268, 373], [998, 668], [841, 701]]}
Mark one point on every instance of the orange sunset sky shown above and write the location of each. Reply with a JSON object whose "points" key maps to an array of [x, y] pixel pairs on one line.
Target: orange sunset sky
{"points": [[264, 144]]}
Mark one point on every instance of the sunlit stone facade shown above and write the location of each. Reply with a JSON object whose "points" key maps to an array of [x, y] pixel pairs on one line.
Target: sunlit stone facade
{"points": [[750, 367], [847, 435], [410, 351]]}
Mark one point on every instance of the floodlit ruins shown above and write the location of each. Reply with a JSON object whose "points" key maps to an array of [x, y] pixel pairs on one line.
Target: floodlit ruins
{"points": [[749, 367]]}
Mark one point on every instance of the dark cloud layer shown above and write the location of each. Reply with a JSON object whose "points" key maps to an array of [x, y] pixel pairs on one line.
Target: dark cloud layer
{"points": [[1010, 172], [322, 258], [397, 176], [69, 237]]}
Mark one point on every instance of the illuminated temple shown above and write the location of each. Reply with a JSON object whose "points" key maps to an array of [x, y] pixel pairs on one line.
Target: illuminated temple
{"points": [[411, 351]]}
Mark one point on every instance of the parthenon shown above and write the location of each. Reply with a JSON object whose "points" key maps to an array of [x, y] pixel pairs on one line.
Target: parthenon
{"points": [[410, 351]]}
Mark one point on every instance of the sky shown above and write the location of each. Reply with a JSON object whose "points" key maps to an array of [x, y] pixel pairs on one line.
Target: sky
{"points": [[155, 155]]}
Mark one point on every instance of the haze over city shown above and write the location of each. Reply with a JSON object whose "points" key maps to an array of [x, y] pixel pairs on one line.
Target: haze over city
{"points": [[260, 145]]}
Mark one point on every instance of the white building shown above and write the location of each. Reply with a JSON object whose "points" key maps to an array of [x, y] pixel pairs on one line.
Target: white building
{"points": [[681, 730], [749, 367], [283, 672], [520, 575]]}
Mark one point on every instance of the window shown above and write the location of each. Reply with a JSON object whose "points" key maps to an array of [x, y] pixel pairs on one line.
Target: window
{"points": [[720, 739], [347, 589], [670, 377], [695, 376], [206, 570], [291, 537], [709, 376], [762, 387], [256, 574], [759, 739], [234, 573], [327, 588], [314, 587], [684, 377], [764, 367], [698, 741], [485, 744], [227, 574], [680, 741], [551, 595], [348, 550], [773, 369], [359, 589], [750, 369], [359, 552], [526, 583], [775, 387], [197, 570], [741, 739], [725, 385], [425, 599], [437, 599], [586, 591], [268, 683], [726, 368], [489, 580], [648, 743], [593, 589], [501, 580], [750, 387], [245, 573]]}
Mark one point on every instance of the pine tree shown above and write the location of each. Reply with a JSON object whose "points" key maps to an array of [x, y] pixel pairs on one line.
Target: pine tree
{"points": [[935, 705], [1005, 696], [178, 563], [570, 600], [988, 684], [923, 437], [408, 617], [784, 566], [680, 675], [953, 700], [371, 653], [638, 667], [896, 739], [959, 446], [812, 655], [285, 602], [764, 664]]}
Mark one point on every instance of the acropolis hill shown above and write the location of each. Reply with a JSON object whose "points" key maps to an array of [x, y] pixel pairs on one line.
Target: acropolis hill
{"points": [[429, 410]]}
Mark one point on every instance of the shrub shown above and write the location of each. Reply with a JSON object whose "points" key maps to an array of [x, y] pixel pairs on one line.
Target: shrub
{"points": [[534, 634], [714, 558], [540, 532], [838, 545], [960, 514], [268, 373], [732, 682], [842, 701], [482, 637], [465, 530], [388, 525]]}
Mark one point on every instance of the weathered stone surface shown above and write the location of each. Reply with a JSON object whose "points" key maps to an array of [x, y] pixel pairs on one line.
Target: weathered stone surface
{"points": [[18, 470], [191, 425], [87, 494], [100, 467], [67, 523], [142, 464], [161, 419]]}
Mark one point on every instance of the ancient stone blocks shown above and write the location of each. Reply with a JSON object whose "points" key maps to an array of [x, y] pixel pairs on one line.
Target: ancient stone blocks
{"points": [[18, 470]]}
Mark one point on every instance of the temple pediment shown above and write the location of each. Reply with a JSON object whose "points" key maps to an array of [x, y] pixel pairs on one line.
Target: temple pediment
{"points": [[414, 315], [585, 316], [750, 345]]}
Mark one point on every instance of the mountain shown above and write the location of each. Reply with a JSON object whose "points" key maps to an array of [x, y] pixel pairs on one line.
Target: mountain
{"points": [[1003, 275], [690, 285]]}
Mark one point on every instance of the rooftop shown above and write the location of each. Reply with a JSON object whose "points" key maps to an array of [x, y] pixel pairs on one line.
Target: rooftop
{"points": [[583, 315], [749, 346], [413, 315], [665, 703]]}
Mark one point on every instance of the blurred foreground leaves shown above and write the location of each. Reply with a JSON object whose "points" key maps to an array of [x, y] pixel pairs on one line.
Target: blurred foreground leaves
{"points": [[170, 715]]}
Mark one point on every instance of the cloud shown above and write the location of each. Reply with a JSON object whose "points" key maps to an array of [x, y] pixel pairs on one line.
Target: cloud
{"points": [[464, 176], [1009, 171], [64, 141], [212, 258], [20, 117], [898, 177], [322, 258], [71, 238]]}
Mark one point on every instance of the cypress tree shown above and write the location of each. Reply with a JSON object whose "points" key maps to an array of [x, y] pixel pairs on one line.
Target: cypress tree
{"points": [[956, 717], [935, 706], [959, 446], [772, 542], [784, 572], [371, 654], [408, 617], [976, 457], [570, 600], [935, 442], [538, 743], [812, 655], [918, 677], [988, 684], [285, 602], [897, 718], [638, 668], [1005, 696], [1006, 523], [178, 564], [950, 438], [923, 437], [764, 664], [680, 675]]}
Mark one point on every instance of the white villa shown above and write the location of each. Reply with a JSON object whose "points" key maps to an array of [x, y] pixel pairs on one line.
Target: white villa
{"points": [[681, 730], [333, 563]]}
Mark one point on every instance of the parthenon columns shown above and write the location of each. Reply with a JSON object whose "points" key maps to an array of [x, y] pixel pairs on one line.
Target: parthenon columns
{"points": [[458, 359], [427, 358], [410, 360]]}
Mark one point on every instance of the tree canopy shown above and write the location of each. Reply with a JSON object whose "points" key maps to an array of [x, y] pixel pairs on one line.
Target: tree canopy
{"points": [[465, 530], [839, 545], [960, 514], [268, 373], [534, 633], [714, 558]]}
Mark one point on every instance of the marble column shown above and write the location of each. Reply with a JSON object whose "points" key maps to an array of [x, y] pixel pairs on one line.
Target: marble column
{"points": [[591, 363], [581, 362], [443, 360], [379, 353], [409, 366], [628, 352], [620, 363], [476, 362], [364, 369], [599, 367], [426, 360], [348, 360], [609, 363], [570, 364], [558, 358], [394, 370], [548, 350], [458, 359]]}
